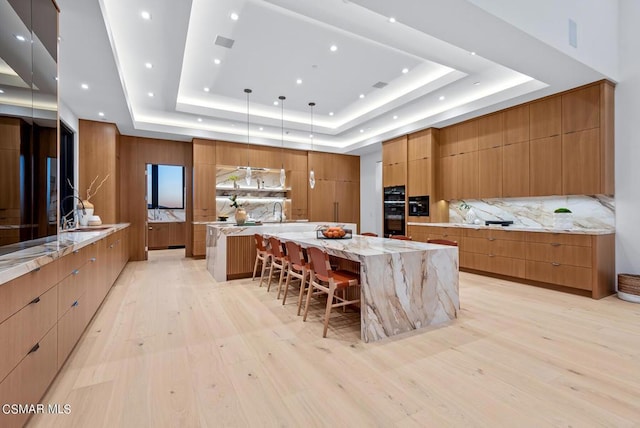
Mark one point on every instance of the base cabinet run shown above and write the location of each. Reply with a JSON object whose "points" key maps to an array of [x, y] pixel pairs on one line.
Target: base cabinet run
{"points": [[580, 263], [44, 313]]}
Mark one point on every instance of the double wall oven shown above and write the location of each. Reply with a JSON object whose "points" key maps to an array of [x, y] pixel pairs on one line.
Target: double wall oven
{"points": [[394, 210]]}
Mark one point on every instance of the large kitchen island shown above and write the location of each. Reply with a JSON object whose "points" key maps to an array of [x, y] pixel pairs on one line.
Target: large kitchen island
{"points": [[405, 285]]}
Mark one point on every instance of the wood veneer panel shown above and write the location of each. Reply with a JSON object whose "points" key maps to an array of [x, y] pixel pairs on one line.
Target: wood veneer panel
{"points": [[581, 109], [420, 145], [545, 166], [241, 255], [581, 163], [490, 173], [491, 131], [545, 117]]}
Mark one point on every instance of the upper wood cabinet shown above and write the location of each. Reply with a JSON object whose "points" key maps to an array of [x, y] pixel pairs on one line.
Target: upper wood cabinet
{"points": [[295, 160], [232, 154], [516, 124], [490, 173], [448, 176], [297, 182], [266, 157], [394, 151], [347, 168], [468, 137], [581, 162], [545, 117], [420, 145], [204, 151], [449, 140], [394, 175], [515, 170], [581, 109], [337, 167], [491, 131], [467, 169], [545, 163], [419, 177]]}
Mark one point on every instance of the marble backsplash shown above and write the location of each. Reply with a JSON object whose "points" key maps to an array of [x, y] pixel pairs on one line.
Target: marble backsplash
{"points": [[257, 208], [589, 212], [166, 215]]}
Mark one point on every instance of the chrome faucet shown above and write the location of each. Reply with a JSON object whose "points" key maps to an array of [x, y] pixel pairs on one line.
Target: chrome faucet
{"points": [[67, 223], [274, 210]]}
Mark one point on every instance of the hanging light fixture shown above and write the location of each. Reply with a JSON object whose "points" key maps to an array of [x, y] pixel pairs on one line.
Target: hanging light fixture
{"points": [[283, 174], [312, 174], [247, 177]]}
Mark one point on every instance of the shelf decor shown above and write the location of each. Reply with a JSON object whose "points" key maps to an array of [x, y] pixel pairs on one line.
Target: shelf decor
{"points": [[562, 219]]}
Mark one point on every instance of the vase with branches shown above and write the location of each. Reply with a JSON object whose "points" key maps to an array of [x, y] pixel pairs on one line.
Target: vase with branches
{"points": [[86, 208]]}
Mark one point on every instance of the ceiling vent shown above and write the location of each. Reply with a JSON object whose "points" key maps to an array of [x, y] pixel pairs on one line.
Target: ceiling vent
{"points": [[224, 42], [380, 85]]}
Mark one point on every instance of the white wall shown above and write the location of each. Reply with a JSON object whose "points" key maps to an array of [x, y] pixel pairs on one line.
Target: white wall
{"points": [[628, 141], [548, 21], [371, 192]]}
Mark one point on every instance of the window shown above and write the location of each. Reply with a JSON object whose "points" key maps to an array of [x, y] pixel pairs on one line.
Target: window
{"points": [[165, 186]]}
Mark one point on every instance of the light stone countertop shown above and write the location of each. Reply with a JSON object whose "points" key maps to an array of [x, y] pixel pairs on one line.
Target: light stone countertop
{"points": [[520, 228], [33, 254]]}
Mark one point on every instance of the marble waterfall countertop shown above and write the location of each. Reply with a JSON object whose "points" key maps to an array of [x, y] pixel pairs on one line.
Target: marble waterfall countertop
{"points": [[405, 285], [579, 231], [33, 254]]}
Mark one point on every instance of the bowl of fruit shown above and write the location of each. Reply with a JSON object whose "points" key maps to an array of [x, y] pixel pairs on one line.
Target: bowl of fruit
{"points": [[334, 232]]}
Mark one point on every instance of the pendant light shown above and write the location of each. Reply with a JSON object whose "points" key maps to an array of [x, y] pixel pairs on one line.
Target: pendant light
{"points": [[283, 174], [312, 174], [247, 177]]}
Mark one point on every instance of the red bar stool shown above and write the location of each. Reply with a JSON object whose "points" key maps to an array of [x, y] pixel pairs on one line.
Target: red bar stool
{"points": [[401, 237], [298, 269], [369, 234], [328, 281], [442, 242], [279, 262], [262, 257]]}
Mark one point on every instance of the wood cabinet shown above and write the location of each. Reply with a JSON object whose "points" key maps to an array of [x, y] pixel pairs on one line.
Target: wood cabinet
{"points": [[394, 175], [164, 235], [232, 154], [467, 175], [497, 251], [545, 117], [9, 167], [490, 173], [299, 185], [581, 109], [468, 136], [545, 161], [581, 172], [43, 315], [449, 177], [394, 151], [419, 177], [449, 141], [204, 180], [421, 145], [515, 170], [516, 124], [322, 201], [199, 240], [491, 131]]}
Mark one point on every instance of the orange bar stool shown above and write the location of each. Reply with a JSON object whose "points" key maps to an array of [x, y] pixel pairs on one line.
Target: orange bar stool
{"points": [[262, 257], [298, 269], [442, 242], [328, 281], [369, 234], [401, 237], [279, 262]]}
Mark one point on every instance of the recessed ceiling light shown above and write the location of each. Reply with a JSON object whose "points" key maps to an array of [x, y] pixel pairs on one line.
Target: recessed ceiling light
{"points": [[206, 89], [361, 131], [405, 70], [395, 117], [473, 53], [84, 86], [299, 81], [330, 113], [216, 61], [441, 97], [199, 119], [101, 114], [275, 103], [476, 83], [392, 20], [261, 129], [333, 48], [361, 95], [145, 15], [234, 16], [148, 65], [56, 78], [310, 135], [19, 37], [151, 94]]}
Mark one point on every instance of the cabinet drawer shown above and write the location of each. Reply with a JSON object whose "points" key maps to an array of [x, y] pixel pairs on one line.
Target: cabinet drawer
{"points": [[27, 383], [496, 247], [442, 232], [77, 258], [70, 328], [560, 238], [569, 276], [495, 264], [559, 253], [73, 287], [23, 330], [495, 234], [16, 294]]}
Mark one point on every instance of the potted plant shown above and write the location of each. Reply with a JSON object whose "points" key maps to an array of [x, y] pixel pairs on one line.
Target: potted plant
{"points": [[241, 214], [234, 179], [562, 218]]}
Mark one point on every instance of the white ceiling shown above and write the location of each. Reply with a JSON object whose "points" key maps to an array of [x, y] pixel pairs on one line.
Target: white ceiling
{"points": [[452, 49]]}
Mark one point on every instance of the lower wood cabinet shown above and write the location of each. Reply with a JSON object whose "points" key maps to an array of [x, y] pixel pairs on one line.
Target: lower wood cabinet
{"points": [[199, 240], [44, 314], [166, 234], [569, 261]]}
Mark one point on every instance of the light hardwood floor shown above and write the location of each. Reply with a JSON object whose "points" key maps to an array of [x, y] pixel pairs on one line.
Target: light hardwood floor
{"points": [[170, 347]]}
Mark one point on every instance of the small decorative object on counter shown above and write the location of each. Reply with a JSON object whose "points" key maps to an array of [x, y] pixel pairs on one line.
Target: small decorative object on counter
{"points": [[335, 232], [562, 219], [241, 214], [95, 220]]}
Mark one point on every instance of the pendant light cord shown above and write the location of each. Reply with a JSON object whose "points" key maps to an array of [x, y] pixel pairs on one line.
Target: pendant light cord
{"points": [[247, 91], [282, 98], [311, 135]]}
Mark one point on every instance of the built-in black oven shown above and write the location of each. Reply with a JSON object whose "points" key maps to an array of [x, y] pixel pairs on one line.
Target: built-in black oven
{"points": [[394, 210], [419, 206]]}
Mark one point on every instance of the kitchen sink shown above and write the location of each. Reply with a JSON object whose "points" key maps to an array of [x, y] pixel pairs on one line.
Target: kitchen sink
{"points": [[89, 229]]}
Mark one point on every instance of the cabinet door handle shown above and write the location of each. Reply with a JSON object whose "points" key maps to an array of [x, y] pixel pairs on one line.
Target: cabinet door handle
{"points": [[74, 304], [36, 270], [34, 349], [491, 239], [92, 259], [555, 244], [111, 246], [75, 272], [76, 251], [150, 228], [555, 264], [34, 301], [492, 255]]}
